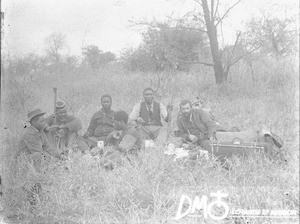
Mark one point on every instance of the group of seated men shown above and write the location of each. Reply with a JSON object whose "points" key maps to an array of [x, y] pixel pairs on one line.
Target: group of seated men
{"points": [[127, 133]]}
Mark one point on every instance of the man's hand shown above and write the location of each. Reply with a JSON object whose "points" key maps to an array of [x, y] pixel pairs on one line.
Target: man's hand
{"points": [[51, 128], [169, 108], [86, 134], [193, 138], [62, 127], [140, 120]]}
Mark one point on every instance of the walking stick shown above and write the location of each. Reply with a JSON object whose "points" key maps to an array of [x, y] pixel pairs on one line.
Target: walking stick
{"points": [[56, 139]]}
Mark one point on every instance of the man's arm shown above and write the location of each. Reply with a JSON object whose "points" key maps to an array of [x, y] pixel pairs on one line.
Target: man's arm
{"points": [[49, 121], [46, 146], [74, 125], [208, 122], [92, 125], [135, 113], [182, 131], [164, 113]]}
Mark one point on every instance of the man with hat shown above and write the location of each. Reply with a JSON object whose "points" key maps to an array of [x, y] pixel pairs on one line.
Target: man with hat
{"points": [[148, 115], [34, 139], [101, 124], [34, 144], [62, 130]]}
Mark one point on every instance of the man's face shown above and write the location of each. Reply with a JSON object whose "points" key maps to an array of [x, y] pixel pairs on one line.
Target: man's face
{"points": [[106, 103], [39, 123], [186, 110], [148, 96]]}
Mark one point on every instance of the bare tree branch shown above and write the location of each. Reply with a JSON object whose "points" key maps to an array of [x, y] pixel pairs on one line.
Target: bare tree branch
{"points": [[212, 11], [227, 11], [193, 28], [217, 7], [198, 2], [244, 55], [191, 62], [234, 47]]}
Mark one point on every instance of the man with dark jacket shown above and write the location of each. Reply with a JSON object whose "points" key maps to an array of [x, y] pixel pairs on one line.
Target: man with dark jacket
{"points": [[195, 125], [62, 131], [34, 140], [149, 114], [101, 124], [36, 148]]}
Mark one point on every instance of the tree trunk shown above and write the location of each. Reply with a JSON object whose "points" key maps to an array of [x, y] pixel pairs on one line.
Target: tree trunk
{"points": [[214, 45]]}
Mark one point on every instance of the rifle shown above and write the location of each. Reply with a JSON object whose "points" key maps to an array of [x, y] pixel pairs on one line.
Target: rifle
{"points": [[170, 115]]}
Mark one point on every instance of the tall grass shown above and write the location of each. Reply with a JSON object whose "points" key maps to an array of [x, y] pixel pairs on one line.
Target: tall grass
{"points": [[148, 189]]}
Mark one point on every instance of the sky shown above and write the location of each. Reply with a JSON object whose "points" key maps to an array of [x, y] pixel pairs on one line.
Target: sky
{"points": [[105, 23]]}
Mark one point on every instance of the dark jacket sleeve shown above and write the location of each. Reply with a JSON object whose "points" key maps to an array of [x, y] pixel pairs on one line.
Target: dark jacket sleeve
{"points": [[182, 131], [208, 122], [92, 126], [74, 125]]}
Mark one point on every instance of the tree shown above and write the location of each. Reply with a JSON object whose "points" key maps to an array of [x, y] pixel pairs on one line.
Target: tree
{"points": [[209, 16], [55, 43], [273, 35], [212, 20], [95, 57], [170, 45]]}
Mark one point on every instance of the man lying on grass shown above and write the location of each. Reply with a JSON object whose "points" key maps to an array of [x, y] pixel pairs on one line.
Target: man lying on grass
{"points": [[125, 139], [195, 125]]}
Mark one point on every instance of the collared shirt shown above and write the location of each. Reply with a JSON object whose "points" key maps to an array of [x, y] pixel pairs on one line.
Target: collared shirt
{"points": [[136, 111], [101, 124]]}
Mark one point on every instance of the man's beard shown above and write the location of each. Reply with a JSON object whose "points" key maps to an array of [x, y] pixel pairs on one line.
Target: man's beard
{"points": [[186, 114]]}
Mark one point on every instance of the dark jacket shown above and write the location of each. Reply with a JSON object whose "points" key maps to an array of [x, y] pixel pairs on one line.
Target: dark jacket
{"points": [[201, 119], [101, 124], [34, 141]]}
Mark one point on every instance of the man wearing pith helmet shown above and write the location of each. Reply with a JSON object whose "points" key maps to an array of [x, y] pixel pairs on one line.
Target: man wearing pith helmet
{"points": [[62, 130]]}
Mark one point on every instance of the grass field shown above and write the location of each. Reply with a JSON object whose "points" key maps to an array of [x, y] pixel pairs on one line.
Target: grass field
{"points": [[148, 190]]}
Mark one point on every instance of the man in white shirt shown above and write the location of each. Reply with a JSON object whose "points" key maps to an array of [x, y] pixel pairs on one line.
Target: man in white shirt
{"points": [[148, 115]]}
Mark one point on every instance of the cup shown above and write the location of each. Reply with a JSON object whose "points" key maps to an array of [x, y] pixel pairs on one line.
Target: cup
{"points": [[100, 144]]}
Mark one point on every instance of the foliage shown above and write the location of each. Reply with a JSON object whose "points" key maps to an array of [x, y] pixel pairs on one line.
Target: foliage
{"points": [[273, 35], [56, 42], [167, 44], [95, 57]]}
